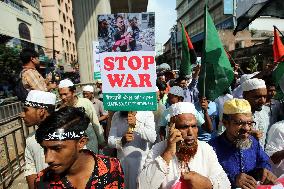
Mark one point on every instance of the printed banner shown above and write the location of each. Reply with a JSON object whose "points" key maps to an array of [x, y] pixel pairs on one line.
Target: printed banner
{"points": [[96, 60], [127, 57]]}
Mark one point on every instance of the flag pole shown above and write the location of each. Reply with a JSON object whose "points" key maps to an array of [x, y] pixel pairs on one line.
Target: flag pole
{"points": [[278, 30], [204, 47]]}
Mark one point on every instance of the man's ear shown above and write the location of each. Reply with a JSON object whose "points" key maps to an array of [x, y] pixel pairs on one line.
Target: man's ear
{"points": [[82, 142], [42, 113]]}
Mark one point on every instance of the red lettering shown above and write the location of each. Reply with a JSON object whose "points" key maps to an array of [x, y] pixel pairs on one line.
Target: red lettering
{"points": [[130, 81], [121, 59], [131, 62], [144, 79], [115, 79], [148, 60], [108, 63]]}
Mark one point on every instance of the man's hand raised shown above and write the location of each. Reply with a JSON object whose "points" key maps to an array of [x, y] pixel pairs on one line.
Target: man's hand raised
{"points": [[174, 137]]}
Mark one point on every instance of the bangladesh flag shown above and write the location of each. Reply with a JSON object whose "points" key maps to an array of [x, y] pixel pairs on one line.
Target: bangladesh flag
{"points": [[278, 53], [188, 55], [216, 71]]}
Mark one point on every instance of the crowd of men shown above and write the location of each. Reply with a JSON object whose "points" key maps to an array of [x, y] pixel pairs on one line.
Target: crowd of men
{"points": [[235, 141]]}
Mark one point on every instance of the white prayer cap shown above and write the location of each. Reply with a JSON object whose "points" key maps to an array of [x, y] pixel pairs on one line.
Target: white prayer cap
{"points": [[38, 98], [253, 84], [88, 88], [157, 89], [65, 83], [182, 108], [246, 77], [99, 81], [176, 90]]}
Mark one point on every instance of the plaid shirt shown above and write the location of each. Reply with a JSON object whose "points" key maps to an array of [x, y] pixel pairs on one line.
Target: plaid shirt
{"points": [[107, 174], [33, 80]]}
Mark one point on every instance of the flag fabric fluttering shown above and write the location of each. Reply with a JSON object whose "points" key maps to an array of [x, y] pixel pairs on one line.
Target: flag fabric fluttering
{"points": [[278, 47], [216, 71], [188, 55], [278, 54]]}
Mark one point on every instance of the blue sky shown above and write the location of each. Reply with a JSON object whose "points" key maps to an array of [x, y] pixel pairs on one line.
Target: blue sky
{"points": [[165, 14]]}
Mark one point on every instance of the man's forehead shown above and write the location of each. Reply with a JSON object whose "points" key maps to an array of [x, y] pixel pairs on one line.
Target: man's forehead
{"points": [[52, 143], [241, 116], [186, 117]]}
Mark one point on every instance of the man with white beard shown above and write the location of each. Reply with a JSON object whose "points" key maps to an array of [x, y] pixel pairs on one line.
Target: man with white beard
{"points": [[240, 154], [182, 158]]}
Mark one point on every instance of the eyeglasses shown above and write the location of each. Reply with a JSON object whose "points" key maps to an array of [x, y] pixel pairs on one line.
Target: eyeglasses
{"points": [[243, 123]]}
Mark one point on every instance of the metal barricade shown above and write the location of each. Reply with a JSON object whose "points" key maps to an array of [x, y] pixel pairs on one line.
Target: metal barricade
{"points": [[12, 141], [10, 111]]}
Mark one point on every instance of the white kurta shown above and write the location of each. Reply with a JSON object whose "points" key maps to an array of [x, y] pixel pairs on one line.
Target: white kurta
{"points": [[262, 120], [157, 174], [133, 154], [94, 131], [275, 143], [34, 156]]}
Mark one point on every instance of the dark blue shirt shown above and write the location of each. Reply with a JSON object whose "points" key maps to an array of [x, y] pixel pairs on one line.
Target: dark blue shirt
{"points": [[235, 161]]}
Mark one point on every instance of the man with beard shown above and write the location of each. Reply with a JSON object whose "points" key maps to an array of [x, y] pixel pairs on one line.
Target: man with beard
{"points": [[37, 107], [182, 157], [238, 152], [62, 136], [254, 91], [31, 78], [95, 131], [132, 133]]}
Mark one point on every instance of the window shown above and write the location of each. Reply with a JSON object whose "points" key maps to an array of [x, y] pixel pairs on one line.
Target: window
{"points": [[58, 2], [62, 42], [71, 23], [64, 18], [24, 31], [66, 7], [61, 28], [73, 47], [69, 33], [67, 46]]}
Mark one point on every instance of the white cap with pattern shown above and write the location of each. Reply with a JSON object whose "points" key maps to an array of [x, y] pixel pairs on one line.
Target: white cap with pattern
{"points": [[176, 90], [253, 84], [182, 108], [38, 98], [65, 83], [88, 88]]}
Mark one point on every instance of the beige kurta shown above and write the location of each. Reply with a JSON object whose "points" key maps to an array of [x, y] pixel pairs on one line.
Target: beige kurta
{"points": [[95, 131]]}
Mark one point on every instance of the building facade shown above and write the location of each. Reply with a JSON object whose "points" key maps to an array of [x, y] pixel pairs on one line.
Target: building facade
{"points": [[21, 24], [59, 31]]}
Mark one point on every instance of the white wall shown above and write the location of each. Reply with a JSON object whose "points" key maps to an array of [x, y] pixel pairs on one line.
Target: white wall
{"points": [[11, 18], [266, 23]]}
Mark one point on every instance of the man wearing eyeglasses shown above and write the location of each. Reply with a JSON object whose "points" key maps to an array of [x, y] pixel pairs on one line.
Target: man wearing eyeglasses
{"points": [[240, 154]]}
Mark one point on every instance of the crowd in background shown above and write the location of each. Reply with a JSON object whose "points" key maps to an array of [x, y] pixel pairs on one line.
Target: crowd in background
{"points": [[234, 141]]}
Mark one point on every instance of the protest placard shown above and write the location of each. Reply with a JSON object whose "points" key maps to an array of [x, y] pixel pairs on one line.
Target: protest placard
{"points": [[127, 57], [96, 60]]}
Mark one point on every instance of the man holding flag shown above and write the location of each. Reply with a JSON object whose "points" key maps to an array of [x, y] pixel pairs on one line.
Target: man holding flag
{"points": [[216, 71], [188, 57]]}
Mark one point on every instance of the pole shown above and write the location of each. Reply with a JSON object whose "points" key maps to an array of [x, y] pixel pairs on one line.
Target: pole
{"points": [[204, 49], [53, 43], [278, 30]]}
